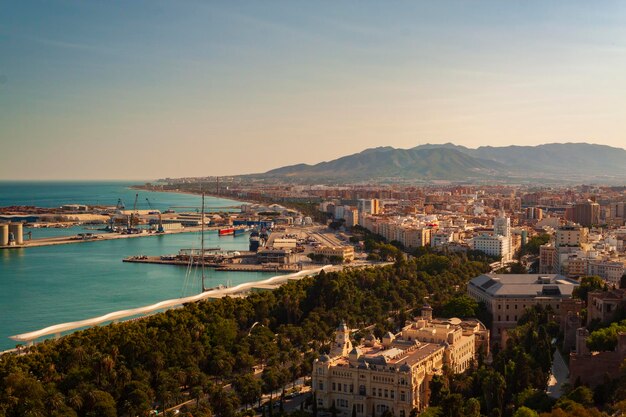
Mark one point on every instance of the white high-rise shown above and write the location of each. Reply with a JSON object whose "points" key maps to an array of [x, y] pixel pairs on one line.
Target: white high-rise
{"points": [[502, 225]]}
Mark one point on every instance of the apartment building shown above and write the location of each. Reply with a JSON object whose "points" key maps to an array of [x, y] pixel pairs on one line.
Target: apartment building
{"points": [[499, 246]]}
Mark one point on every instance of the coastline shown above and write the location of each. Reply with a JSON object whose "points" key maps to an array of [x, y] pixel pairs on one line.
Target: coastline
{"points": [[178, 191]]}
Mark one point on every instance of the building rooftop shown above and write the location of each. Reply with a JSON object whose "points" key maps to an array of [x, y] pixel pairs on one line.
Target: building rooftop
{"points": [[398, 354], [524, 285]]}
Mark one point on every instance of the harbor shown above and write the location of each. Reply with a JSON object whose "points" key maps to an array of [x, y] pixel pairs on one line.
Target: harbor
{"points": [[56, 283], [60, 282]]}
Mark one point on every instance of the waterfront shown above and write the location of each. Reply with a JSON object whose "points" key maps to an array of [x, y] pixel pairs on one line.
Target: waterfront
{"points": [[57, 193], [43, 286]]}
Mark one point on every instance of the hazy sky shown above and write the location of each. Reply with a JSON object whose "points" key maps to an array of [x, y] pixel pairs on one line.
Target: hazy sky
{"points": [[149, 89]]}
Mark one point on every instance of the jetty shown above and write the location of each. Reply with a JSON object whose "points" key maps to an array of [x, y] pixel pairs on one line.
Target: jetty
{"points": [[88, 237]]}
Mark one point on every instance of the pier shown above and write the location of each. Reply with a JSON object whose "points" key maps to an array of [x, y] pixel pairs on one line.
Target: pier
{"points": [[236, 263], [64, 240]]}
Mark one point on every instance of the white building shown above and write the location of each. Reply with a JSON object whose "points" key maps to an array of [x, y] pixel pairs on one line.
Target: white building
{"points": [[499, 246]]}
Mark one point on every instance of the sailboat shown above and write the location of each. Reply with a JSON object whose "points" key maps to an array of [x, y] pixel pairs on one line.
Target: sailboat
{"points": [[204, 288], [202, 245]]}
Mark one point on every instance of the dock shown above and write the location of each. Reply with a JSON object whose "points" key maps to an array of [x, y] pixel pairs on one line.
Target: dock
{"points": [[259, 268], [64, 240], [238, 263]]}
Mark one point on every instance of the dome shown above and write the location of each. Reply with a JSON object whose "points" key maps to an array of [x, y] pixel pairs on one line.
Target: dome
{"points": [[342, 327], [388, 335], [370, 337], [355, 351], [324, 358], [405, 367]]}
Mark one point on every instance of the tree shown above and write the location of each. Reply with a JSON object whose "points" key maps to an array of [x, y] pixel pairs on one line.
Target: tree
{"points": [[525, 412], [452, 405], [248, 387], [534, 243], [606, 339], [271, 380], [101, 404], [438, 390], [588, 284], [460, 306], [472, 408], [582, 395]]}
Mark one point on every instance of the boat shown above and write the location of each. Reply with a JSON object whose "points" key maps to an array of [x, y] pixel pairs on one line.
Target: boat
{"points": [[226, 231], [240, 231], [255, 242]]}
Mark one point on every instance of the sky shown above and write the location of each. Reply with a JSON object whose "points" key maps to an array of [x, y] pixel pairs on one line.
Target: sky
{"points": [[154, 89]]}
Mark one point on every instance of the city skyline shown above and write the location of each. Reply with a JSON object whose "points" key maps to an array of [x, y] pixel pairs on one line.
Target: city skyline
{"points": [[150, 90]]}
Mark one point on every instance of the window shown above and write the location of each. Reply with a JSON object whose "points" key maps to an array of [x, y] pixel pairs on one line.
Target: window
{"points": [[402, 413], [359, 408], [351, 388], [339, 387], [362, 390], [386, 393], [334, 387], [380, 392], [320, 384], [345, 387], [402, 396], [393, 394]]}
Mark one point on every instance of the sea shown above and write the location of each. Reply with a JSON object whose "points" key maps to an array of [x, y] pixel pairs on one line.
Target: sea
{"points": [[43, 286]]}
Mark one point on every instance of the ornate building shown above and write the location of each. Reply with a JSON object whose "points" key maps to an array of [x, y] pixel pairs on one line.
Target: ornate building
{"points": [[394, 374]]}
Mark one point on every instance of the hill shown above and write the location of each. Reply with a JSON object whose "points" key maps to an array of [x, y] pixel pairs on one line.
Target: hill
{"points": [[556, 161], [572, 159], [388, 162]]}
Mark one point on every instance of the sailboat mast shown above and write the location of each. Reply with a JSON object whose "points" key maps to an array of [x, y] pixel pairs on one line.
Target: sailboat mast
{"points": [[202, 244]]}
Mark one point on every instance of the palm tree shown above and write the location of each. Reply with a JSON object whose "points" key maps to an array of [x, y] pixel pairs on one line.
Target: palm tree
{"points": [[54, 401]]}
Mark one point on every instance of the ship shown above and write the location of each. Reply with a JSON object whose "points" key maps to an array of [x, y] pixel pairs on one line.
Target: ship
{"points": [[255, 241], [241, 231], [226, 231]]}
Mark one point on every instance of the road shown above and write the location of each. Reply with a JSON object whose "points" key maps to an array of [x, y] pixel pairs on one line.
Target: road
{"points": [[558, 376]]}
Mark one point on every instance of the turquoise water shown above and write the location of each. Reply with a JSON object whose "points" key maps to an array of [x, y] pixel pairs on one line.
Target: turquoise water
{"points": [[55, 194], [54, 284]]}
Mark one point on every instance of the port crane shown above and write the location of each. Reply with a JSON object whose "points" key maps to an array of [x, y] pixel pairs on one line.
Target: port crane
{"points": [[133, 219], [158, 212]]}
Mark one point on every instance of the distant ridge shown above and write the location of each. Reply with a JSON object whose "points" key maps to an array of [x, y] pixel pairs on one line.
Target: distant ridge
{"points": [[558, 161]]}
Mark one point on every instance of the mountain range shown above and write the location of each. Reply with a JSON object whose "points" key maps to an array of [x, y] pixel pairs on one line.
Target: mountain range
{"points": [[555, 161]]}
